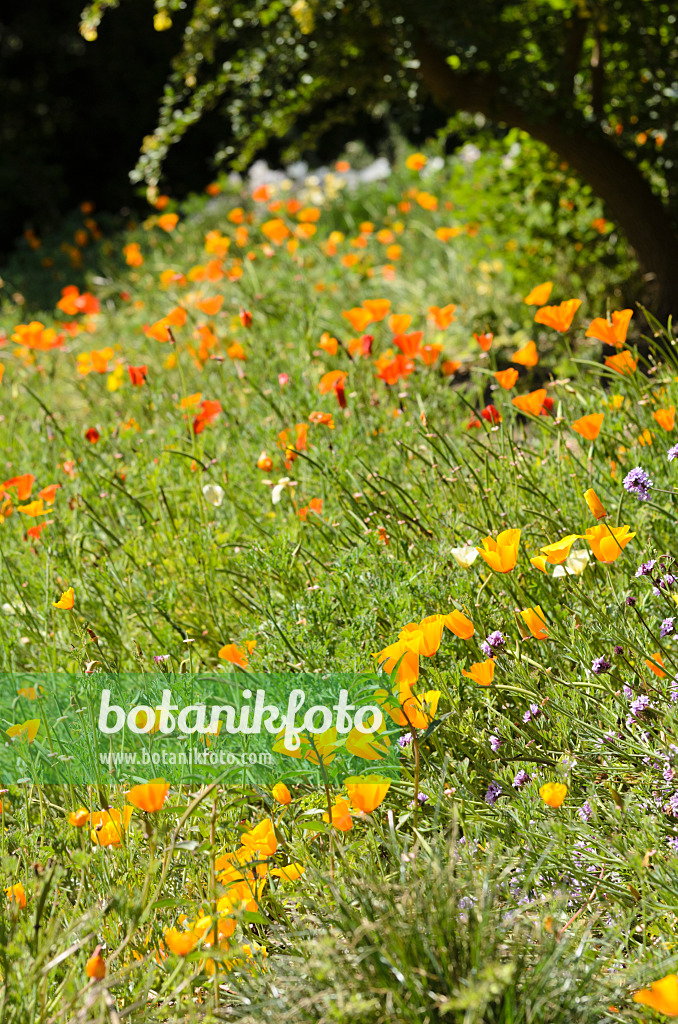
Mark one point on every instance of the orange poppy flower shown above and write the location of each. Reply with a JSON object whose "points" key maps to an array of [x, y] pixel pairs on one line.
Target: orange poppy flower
{"points": [[16, 894], [527, 355], [484, 340], [655, 668], [622, 362], [236, 352], [181, 943], [482, 672], [275, 230], [159, 330], [281, 793], [332, 381], [665, 417], [137, 375], [611, 333], [36, 336], [539, 294], [553, 793], [211, 306], [96, 965], [535, 621], [150, 796], [35, 508], [234, 655], [391, 371], [358, 318], [450, 367], [24, 731], [607, 542], [595, 504], [459, 625], [66, 601], [78, 818], [377, 308], [168, 221], [23, 484], [341, 816], [442, 316], [430, 353], [209, 410], [72, 302], [506, 378], [324, 419], [559, 317], [589, 426], [409, 343], [401, 651], [533, 403], [366, 792], [399, 322], [132, 254], [92, 435], [501, 554], [423, 637], [662, 995], [557, 553], [328, 343]]}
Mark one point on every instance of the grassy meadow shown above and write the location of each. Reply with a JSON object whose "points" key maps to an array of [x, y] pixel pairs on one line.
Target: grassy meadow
{"points": [[268, 431]]}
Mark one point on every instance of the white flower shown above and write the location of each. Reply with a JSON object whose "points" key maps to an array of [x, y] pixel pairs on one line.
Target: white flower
{"points": [[214, 494], [574, 565], [277, 492], [464, 557]]}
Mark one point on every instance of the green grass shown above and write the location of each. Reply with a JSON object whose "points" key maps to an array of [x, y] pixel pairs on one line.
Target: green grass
{"points": [[464, 910]]}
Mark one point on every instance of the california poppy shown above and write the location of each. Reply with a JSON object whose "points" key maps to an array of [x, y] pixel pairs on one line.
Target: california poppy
{"points": [[423, 637], [622, 362], [24, 731], [527, 355], [501, 554], [653, 667], [482, 672], [341, 816], [589, 426], [662, 995], [491, 414], [358, 318], [531, 403], [234, 655], [595, 504], [665, 417], [96, 965], [399, 322], [137, 375], [484, 340], [78, 818], [553, 793], [442, 316], [149, 796], [539, 294], [613, 333], [558, 552], [16, 894], [401, 654], [377, 308], [458, 624], [535, 621], [281, 793], [559, 317], [66, 601], [366, 792], [607, 542], [506, 378]]}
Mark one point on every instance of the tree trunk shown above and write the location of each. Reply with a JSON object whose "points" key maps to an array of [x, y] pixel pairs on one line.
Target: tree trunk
{"points": [[632, 204]]}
